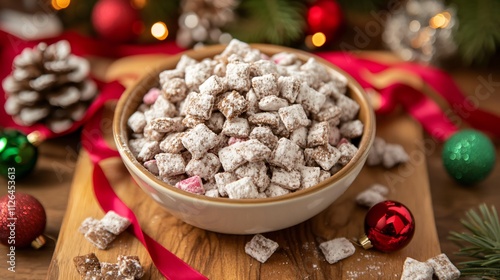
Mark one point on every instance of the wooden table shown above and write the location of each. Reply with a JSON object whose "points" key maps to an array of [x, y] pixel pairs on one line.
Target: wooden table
{"points": [[51, 181]]}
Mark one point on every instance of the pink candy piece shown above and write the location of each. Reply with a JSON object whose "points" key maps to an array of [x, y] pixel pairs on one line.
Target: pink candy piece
{"points": [[151, 96], [192, 185], [233, 140], [342, 141]]}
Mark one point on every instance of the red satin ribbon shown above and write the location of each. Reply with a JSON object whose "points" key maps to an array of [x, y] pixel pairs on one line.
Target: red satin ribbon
{"points": [[167, 263]]}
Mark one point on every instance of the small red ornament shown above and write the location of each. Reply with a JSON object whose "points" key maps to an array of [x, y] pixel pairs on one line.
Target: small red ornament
{"points": [[324, 16], [116, 20], [389, 226], [22, 221]]}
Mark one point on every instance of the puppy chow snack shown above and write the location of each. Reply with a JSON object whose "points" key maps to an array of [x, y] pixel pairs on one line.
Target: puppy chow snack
{"points": [[114, 223], [415, 270], [374, 194], [126, 268], [443, 267], [337, 249], [389, 155], [261, 248], [88, 266], [130, 266], [246, 125], [88, 223], [99, 236]]}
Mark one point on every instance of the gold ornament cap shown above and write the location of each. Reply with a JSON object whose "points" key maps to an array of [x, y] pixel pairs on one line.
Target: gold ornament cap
{"points": [[38, 242], [365, 242]]}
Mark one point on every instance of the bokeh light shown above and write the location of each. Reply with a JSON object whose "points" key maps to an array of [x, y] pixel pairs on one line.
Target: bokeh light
{"points": [[159, 30], [60, 4], [318, 39]]}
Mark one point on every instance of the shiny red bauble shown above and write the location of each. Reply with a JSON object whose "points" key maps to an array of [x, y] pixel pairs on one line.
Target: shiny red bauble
{"points": [[389, 225], [116, 20]]}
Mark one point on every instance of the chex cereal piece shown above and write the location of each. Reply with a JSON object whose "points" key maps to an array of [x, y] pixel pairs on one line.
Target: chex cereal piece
{"points": [[148, 150], [309, 176], [443, 267], [265, 135], [137, 122], [220, 142], [415, 270], [293, 117], [347, 152], [253, 150], [151, 166], [311, 79], [310, 98], [170, 164], [237, 127], [349, 108], [170, 74], [263, 67], [172, 143], [152, 134], [261, 248], [267, 119], [110, 271], [369, 197], [238, 76], [220, 70], [253, 102], [205, 167], [333, 134], [337, 249], [318, 134], [376, 152], [99, 236], [340, 82], [352, 129], [199, 140], [196, 74], [286, 179], [272, 103], [323, 175], [286, 154], [381, 189], [299, 136], [242, 188], [216, 122], [174, 90], [87, 224], [200, 105], [222, 179], [173, 180], [289, 87], [167, 125], [284, 58], [114, 223], [184, 62], [212, 193], [88, 266], [192, 185], [213, 85], [326, 156], [232, 105], [275, 190], [308, 157], [235, 47], [265, 85], [151, 96], [393, 155], [136, 145], [331, 113], [161, 108], [255, 170], [130, 266], [313, 66], [230, 158]]}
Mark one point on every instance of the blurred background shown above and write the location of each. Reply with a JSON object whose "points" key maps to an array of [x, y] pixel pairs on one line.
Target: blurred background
{"points": [[428, 31]]}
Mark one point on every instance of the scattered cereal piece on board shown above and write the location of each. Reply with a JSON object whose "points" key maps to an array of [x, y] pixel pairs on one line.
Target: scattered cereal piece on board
{"points": [[369, 198], [337, 249], [99, 236], [87, 224], [88, 266], [415, 270], [130, 266], [110, 271], [443, 267], [261, 248], [114, 223]]}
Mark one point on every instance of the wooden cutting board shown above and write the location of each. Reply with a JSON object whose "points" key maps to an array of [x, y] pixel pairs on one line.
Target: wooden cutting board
{"points": [[222, 256]]}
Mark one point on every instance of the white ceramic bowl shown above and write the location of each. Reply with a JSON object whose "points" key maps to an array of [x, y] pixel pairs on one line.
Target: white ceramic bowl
{"points": [[240, 216]]}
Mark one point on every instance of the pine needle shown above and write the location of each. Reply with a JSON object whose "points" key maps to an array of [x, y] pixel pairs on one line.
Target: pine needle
{"points": [[482, 243]]}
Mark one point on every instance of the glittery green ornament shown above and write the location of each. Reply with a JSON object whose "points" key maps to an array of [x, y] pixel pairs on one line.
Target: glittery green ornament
{"points": [[17, 155], [468, 156]]}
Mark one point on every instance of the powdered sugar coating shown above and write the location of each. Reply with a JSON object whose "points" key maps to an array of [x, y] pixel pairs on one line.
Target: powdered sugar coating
{"points": [[443, 267], [337, 249], [261, 248], [415, 270], [114, 223]]}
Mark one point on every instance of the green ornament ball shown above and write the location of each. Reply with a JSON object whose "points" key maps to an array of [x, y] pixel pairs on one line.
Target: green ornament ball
{"points": [[468, 156], [17, 155]]}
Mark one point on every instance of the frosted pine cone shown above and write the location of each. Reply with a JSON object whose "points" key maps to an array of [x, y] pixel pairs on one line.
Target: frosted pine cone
{"points": [[48, 85]]}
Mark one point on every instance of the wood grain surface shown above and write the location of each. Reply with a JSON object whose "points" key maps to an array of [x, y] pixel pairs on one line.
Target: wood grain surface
{"points": [[221, 256]]}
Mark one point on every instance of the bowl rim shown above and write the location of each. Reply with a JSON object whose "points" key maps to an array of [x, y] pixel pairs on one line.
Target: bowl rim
{"points": [[120, 130]]}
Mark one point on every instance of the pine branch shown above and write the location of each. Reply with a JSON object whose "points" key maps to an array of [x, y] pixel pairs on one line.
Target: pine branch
{"points": [[478, 35], [483, 242], [273, 21]]}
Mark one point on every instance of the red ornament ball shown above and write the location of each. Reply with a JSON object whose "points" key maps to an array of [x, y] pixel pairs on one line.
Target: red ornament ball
{"points": [[22, 219], [116, 20], [324, 16], [389, 226]]}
